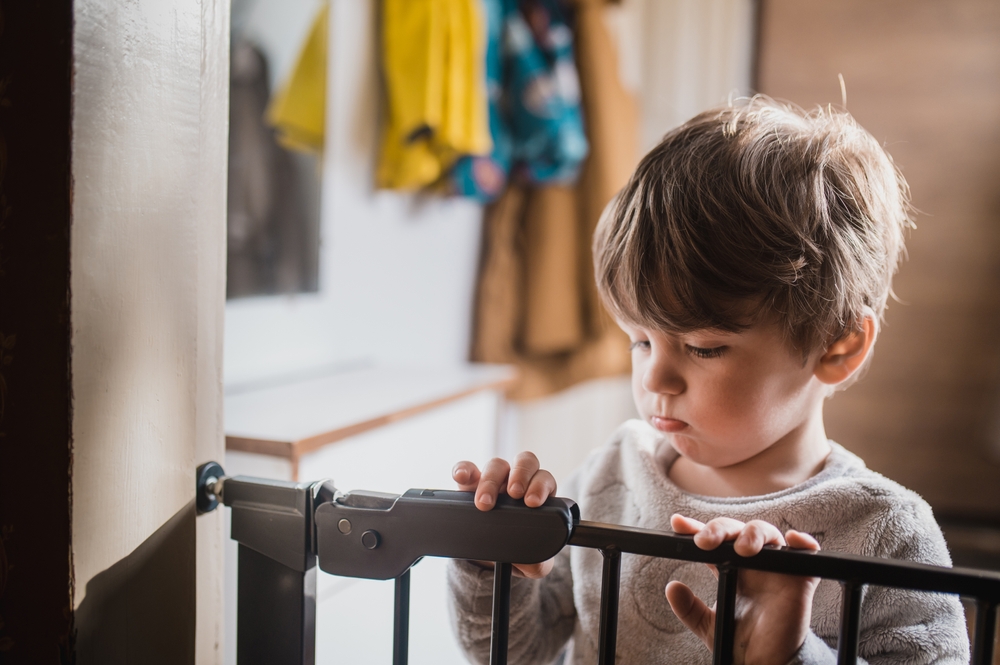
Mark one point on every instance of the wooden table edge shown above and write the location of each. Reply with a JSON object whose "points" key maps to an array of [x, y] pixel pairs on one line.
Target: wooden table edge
{"points": [[294, 450]]}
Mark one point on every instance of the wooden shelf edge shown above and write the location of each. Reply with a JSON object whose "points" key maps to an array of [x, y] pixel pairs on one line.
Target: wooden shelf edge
{"points": [[284, 449], [293, 450]]}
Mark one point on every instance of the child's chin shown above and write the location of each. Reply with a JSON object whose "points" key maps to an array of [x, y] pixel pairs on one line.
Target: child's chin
{"points": [[686, 447], [695, 451]]}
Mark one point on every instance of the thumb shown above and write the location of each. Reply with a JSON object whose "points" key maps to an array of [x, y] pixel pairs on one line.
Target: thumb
{"points": [[692, 611]]}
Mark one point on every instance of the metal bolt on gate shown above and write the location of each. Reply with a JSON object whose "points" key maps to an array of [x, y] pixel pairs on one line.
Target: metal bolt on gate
{"points": [[284, 529]]}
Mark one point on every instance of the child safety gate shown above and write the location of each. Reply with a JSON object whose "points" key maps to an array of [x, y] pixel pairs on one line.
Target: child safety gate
{"points": [[286, 529]]}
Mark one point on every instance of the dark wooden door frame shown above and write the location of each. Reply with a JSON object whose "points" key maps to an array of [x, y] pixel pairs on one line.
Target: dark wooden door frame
{"points": [[36, 616]]}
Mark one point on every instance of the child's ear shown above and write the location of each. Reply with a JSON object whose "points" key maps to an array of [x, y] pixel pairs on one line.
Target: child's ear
{"points": [[846, 355]]}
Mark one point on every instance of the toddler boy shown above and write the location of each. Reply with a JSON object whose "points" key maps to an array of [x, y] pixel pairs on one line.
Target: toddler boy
{"points": [[749, 259]]}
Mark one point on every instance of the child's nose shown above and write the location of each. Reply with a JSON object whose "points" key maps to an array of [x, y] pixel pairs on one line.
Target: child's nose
{"points": [[662, 376]]}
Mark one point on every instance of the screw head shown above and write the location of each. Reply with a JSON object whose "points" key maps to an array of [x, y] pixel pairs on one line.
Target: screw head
{"points": [[371, 539], [344, 526]]}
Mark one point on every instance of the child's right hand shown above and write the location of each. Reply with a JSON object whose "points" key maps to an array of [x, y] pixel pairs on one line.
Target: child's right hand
{"points": [[773, 611], [526, 479]]}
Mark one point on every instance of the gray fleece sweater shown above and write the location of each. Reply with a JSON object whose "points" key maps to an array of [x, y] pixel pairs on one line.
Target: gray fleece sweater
{"points": [[847, 507]]}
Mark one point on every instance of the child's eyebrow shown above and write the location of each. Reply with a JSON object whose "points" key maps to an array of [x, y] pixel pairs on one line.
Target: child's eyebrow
{"points": [[719, 332]]}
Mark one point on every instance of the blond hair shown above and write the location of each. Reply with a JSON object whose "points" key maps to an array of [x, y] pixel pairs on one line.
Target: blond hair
{"points": [[756, 211]]}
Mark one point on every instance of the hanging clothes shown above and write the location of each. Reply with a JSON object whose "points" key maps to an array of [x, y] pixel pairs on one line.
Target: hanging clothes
{"points": [[537, 305], [534, 101], [433, 59], [298, 111]]}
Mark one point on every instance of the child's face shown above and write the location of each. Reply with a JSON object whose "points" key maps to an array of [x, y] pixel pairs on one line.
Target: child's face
{"points": [[721, 397]]}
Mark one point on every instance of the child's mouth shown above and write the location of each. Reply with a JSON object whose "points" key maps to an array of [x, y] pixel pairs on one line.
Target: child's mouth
{"points": [[667, 424]]}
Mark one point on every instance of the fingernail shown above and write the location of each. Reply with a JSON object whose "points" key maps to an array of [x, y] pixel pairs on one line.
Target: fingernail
{"points": [[515, 488], [486, 500]]}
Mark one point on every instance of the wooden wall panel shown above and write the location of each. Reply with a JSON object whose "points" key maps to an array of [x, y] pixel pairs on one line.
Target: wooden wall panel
{"points": [[924, 77]]}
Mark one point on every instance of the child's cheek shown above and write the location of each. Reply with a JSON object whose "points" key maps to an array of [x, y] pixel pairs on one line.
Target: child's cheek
{"points": [[733, 407]]}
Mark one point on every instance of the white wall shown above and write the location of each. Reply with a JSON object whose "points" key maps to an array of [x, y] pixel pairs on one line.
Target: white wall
{"points": [[397, 272], [150, 113], [684, 56], [562, 429]]}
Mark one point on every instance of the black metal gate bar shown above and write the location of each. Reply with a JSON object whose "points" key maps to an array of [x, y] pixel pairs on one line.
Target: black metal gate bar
{"points": [[401, 621], [981, 584], [609, 606], [985, 636], [725, 615], [501, 613], [276, 582], [856, 571], [850, 623], [281, 528], [285, 632]]}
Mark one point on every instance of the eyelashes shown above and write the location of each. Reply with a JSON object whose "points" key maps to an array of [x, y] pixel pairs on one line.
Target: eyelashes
{"points": [[696, 351], [700, 352]]}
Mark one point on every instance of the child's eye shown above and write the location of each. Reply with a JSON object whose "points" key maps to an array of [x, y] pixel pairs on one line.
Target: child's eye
{"points": [[642, 344], [700, 352]]}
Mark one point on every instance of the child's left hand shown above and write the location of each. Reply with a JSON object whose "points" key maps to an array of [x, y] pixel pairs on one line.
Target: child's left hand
{"points": [[772, 610]]}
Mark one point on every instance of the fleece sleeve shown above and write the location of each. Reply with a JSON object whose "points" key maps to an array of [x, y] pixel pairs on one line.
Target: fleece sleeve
{"points": [[910, 626], [814, 651], [899, 626], [542, 614]]}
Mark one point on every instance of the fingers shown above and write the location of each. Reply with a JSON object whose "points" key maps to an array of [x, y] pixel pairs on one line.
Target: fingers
{"points": [[692, 612], [749, 538], [717, 531], [466, 474], [524, 480], [755, 535], [685, 525], [525, 466], [542, 486], [529, 481], [492, 482], [801, 541]]}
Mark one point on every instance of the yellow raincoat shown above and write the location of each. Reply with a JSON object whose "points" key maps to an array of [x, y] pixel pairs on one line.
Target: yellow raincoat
{"points": [[298, 111], [433, 59]]}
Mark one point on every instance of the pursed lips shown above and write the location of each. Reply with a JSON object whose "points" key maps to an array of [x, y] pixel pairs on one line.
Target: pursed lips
{"points": [[665, 424]]}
